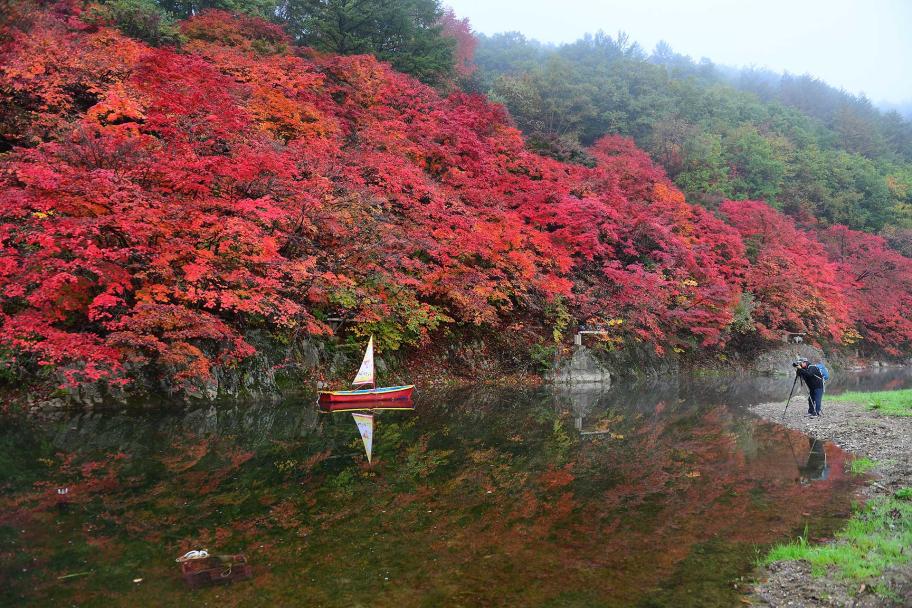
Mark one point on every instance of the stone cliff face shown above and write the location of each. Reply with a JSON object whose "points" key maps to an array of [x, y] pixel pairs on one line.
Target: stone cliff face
{"points": [[582, 368], [779, 360]]}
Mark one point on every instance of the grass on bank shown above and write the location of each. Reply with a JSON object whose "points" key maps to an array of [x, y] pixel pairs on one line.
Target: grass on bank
{"points": [[860, 466], [876, 538], [893, 403]]}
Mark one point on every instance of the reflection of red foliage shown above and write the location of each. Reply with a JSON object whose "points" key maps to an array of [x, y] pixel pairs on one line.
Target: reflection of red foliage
{"points": [[615, 516], [556, 478]]}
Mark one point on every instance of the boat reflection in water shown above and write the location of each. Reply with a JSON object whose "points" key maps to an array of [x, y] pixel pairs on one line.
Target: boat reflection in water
{"points": [[406, 404], [363, 414]]}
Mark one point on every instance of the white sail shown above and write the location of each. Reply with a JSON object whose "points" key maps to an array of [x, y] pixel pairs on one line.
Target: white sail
{"points": [[366, 373], [365, 424]]}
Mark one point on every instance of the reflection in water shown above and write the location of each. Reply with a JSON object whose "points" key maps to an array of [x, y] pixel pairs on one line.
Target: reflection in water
{"points": [[815, 467], [367, 406], [654, 496]]}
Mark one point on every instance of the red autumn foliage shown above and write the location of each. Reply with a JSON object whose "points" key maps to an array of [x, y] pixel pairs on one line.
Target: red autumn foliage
{"points": [[460, 30], [794, 285], [878, 283], [248, 34], [158, 208], [642, 260], [53, 69]]}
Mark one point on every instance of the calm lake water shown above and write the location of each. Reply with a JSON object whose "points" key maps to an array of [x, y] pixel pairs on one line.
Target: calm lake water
{"points": [[659, 495]]}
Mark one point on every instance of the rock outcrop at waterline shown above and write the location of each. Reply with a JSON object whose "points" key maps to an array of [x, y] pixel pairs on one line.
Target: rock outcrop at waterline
{"points": [[583, 367]]}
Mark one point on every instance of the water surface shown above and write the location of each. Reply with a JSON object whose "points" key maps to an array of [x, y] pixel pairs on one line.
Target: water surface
{"points": [[659, 495]]}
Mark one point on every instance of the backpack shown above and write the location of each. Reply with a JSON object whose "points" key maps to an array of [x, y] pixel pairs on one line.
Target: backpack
{"points": [[824, 372]]}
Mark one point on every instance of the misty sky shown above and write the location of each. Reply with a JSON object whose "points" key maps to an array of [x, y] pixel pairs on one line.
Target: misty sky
{"points": [[859, 45]]}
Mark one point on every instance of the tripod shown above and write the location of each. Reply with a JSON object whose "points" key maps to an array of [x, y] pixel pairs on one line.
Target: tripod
{"points": [[791, 392]]}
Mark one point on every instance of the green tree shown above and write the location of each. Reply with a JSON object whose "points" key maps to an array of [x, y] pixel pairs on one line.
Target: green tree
{"points": [[857, 133], [508, 53], [142, 19], [704, 176], [552, 100], [187, 8], [757, 164], [407, 33]]}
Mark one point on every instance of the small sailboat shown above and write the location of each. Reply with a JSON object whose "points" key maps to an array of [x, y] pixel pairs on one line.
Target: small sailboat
{"points": [[363, 398]]}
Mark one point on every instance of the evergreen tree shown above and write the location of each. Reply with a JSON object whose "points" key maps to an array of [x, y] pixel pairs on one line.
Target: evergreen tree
{"points": [[407, 33]]}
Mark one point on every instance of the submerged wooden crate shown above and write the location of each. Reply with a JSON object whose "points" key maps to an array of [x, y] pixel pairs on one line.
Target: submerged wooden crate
{"points": [[215, 570]]}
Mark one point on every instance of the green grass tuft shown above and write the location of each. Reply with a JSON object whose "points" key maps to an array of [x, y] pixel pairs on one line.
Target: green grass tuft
{"points": [[860, 466], [893, 403], [876, 538]]}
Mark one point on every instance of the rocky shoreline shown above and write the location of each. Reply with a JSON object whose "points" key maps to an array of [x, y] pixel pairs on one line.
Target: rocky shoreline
{"points": [[885, 439]]}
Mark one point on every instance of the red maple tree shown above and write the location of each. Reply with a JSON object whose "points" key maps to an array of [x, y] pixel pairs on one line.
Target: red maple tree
{"points": [[794, 284]]}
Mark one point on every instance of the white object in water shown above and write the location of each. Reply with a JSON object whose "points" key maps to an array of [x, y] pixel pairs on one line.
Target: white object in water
{"points": [[195, 554]]}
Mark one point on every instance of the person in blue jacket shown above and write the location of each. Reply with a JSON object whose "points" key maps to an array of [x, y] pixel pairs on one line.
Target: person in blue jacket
{"points": [[813, 379]]}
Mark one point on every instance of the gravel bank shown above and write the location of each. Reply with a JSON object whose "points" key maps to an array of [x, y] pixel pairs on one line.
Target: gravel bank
{"points": [[888, 440]]}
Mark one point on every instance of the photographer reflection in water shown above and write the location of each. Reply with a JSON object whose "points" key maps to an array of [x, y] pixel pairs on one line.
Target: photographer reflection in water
{"points": [[816, 468]]}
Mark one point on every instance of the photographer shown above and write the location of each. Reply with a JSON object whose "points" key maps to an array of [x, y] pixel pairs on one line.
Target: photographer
{"points": [[813, 379]]}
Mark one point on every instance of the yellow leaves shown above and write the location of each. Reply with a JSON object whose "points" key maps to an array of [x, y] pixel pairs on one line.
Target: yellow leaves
{"points": [[897, 187], [851, 336], [562, 318], [686, 285], [480, 456], [604, 426], [665, 193], [153, 293], [285, 118], [606, 423]]}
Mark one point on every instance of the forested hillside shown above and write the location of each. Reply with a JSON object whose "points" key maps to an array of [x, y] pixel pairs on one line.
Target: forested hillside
{"points": [[794, 142], [168, 210]]}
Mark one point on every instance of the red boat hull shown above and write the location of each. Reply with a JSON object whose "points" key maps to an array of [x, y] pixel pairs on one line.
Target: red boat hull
{"points": [[393, 393]]}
